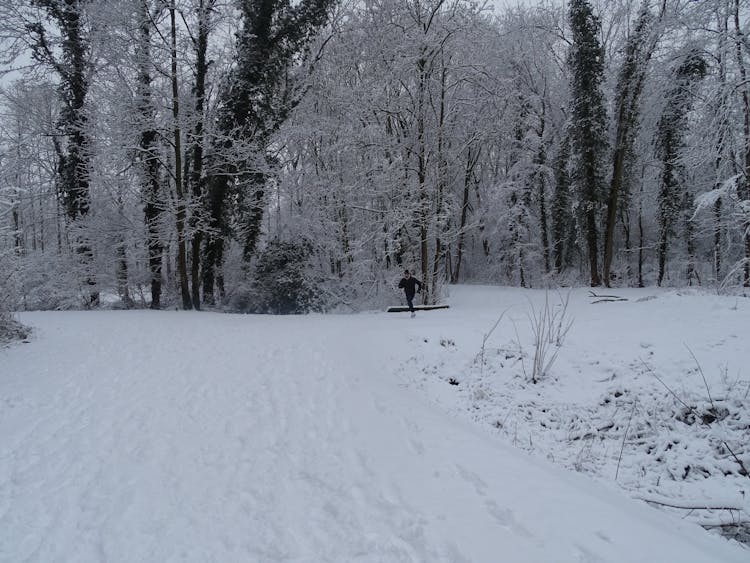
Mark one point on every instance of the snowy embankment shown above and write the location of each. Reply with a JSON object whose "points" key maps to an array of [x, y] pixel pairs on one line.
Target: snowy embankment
{"points": [[650, 389], [172, 436]]}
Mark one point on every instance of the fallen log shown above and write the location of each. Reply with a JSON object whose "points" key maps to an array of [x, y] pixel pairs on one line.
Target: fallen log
{"points": [[605, 298], [403, 309]]}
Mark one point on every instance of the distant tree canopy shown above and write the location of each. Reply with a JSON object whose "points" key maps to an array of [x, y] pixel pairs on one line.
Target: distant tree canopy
{"points": [[190, 153]]}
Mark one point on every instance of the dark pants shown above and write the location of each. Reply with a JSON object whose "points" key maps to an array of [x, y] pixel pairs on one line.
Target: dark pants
{"points": [[410, 301]]}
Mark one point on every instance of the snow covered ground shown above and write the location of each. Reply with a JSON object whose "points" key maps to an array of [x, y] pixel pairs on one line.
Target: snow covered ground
{"points": [[174, 436], [652, 391]]}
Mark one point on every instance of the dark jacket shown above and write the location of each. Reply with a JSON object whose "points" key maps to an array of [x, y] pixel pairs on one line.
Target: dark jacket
{"points": [[409, 285]]}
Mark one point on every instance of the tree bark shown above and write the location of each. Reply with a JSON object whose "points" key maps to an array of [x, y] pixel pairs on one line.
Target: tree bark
{"points": [[744, 187], [541, 160], [421, 152], [442, 180], [197, 140], [149, 156], [641, 240], [74, 162], [180, 218], [639, 51], [471, 162]]}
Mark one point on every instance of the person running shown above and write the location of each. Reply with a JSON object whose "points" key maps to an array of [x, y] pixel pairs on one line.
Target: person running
{"points": [[409, 285]]}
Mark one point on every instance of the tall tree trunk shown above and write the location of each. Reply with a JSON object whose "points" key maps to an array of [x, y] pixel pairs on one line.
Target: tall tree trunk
{"points": [[718, 233], [149, 155], [421, 152], [41, 226], [74, 162], [197, 140], [15, 215], [722, 54], [692, 269], [180, 218], [592, 235], [638, 52], [123, 291], [152, 214], [257, 98], [666, 200], [441, 187], [641, 238], [562, 217], [588, 123], [471, 161], [744, 187], [213, 250], [17, 239], [671, 128], [626, 229], [540, 162]]}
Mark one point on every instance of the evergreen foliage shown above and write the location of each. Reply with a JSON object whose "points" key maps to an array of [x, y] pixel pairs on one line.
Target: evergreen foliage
{"points": [[72, 143], [73, 69], [282, 283], [256, 99], [588, 124], [630, 81], [674, 196]]}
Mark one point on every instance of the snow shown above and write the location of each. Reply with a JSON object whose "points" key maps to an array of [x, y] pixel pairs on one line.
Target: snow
{"points": [[182, 436], [626, 397]]}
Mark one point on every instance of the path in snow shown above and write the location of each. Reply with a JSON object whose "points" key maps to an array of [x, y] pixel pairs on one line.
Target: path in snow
{"points": [[146, 436]]}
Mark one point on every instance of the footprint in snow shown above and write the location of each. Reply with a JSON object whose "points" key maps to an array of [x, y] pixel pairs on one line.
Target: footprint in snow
{"points": [[417, 446], [602, 536], [586, 556], [507, 519], [380, 405], [479, 485]]}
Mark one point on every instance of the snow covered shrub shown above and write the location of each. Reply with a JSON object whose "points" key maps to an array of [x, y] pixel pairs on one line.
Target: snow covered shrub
{"points": [[549, 326], [48, 282], [282, 283], [10, 328], [737, 210]]}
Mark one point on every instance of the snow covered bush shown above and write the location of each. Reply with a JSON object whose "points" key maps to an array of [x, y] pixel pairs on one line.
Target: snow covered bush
{"points": [[281, 284], [738, 214], [10, 328], [48, 282]]}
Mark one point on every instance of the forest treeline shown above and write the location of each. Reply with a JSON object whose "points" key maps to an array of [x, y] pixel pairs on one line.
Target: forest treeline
{"points": [[278, 156]]}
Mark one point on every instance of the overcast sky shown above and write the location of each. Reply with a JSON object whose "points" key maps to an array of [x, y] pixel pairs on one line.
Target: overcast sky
{"points": [[505, 3]]}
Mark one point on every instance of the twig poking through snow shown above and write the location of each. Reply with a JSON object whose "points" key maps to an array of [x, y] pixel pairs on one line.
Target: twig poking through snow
{"points": [[695, 413], [691, 409], [549, 328], [703, 376], [738, 460], [687, 505], [486, 337], [713, 405], [624, 437]]}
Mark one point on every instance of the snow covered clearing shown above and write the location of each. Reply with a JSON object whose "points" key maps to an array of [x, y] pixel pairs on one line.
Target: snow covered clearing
{"points": [[176, 436]]}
